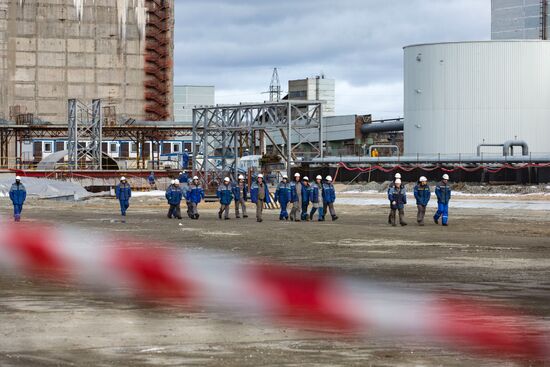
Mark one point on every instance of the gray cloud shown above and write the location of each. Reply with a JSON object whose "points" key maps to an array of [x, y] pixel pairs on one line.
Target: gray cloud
{"points": [[234, 44]]}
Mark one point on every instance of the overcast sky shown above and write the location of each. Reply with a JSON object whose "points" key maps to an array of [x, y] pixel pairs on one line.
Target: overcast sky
{"points": [[234, 44]]}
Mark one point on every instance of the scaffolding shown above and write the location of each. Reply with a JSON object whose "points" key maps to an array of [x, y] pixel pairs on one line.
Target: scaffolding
{"points": [[220, 133], [85, 126]]}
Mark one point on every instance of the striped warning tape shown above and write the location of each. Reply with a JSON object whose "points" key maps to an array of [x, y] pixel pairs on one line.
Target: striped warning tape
{"points": [[274, 292]]}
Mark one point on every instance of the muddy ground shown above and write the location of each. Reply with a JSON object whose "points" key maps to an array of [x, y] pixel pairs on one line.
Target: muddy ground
{"points": [[488, 253]]}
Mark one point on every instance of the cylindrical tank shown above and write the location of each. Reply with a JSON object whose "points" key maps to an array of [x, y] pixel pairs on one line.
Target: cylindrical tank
{"points": [[459, 95]]}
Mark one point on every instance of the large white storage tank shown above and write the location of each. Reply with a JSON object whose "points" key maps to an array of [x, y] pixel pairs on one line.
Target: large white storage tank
{"points": [[459, 95]]}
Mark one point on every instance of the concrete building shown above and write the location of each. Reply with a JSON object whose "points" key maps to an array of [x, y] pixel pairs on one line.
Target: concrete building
{"points": [[51, 51], [186, 97], [519, 19], [459, 95], [314, 89]]}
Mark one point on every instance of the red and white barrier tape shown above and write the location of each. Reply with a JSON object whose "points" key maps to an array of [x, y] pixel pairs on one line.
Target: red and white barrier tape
{"points": [[279, 293]]}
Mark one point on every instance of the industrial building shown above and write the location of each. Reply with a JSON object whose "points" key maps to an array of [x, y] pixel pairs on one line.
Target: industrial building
{"points": [[519, 19], [118, 51], [318, 88], [186, 97], [460, 95]]}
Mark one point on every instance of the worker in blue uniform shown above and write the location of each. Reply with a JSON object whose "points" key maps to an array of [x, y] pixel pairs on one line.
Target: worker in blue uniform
{"points": [[316, 198], [422, 196], [174, 195], [123, 194], [152, 181], [306, 193], [18, 195], [329, 197], [443, 193], [283, 196], [194, 196], [225, 195], [185, 159]]}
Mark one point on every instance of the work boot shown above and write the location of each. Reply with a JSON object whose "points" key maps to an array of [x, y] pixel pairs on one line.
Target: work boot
{"points": [[245, 216], [334, 217], [180, 218], [421, 224], [403, 224], [238, 216], [444, 224], [259, 220], [389, 219], [436, 220], [220, 214], [197, 216], [226, 218], [169, 216]]}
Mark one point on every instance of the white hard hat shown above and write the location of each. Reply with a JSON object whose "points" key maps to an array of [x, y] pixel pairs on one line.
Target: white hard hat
{"points": [[398, 175], [176, 182], [398, 181], [329, 178], [445, 176], [195, 177], [181, 173], [226, 179], [123, 178], [319, 177], [285, 176], [423, 179], [306, 178], [173, 182], [18, 178], [296, 174], [260, 176], [241, 177]]}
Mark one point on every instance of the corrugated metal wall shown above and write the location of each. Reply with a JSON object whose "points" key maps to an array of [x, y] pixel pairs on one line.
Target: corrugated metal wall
{"points": [[458, 95]]}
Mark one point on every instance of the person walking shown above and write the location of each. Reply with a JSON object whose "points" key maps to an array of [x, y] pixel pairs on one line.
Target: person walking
{"points": [[392, 184], [306, 194], [225, 195], [152, 181], [123, 193], [422, 196], [174, 195], [329, 197], [316, 198], [296, 198], [443, 193], [240, 193], [259, 195], [194, 197], [183, 178], [282, 195], [398, 198], [18, 195]]}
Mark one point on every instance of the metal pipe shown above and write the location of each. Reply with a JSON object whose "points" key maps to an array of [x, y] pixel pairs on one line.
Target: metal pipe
{"points": [[508, 147], [382, 127], [486, 145], [434, 159]]}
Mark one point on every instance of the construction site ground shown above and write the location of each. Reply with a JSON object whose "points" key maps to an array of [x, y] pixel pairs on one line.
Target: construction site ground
{"points": [[494, 253]]}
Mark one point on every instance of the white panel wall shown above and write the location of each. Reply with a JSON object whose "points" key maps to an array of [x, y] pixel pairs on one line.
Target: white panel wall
{"points": [[458, 95]]}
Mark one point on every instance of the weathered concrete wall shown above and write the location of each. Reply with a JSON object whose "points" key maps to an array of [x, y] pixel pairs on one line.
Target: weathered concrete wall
{"points": [[47, 55]]}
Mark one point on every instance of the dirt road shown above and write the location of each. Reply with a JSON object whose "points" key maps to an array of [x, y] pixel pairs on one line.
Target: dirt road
{"points": [[504, 256]]}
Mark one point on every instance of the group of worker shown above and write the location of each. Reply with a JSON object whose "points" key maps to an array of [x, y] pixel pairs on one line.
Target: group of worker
{"points": [[397, 195], [298, 194]]}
